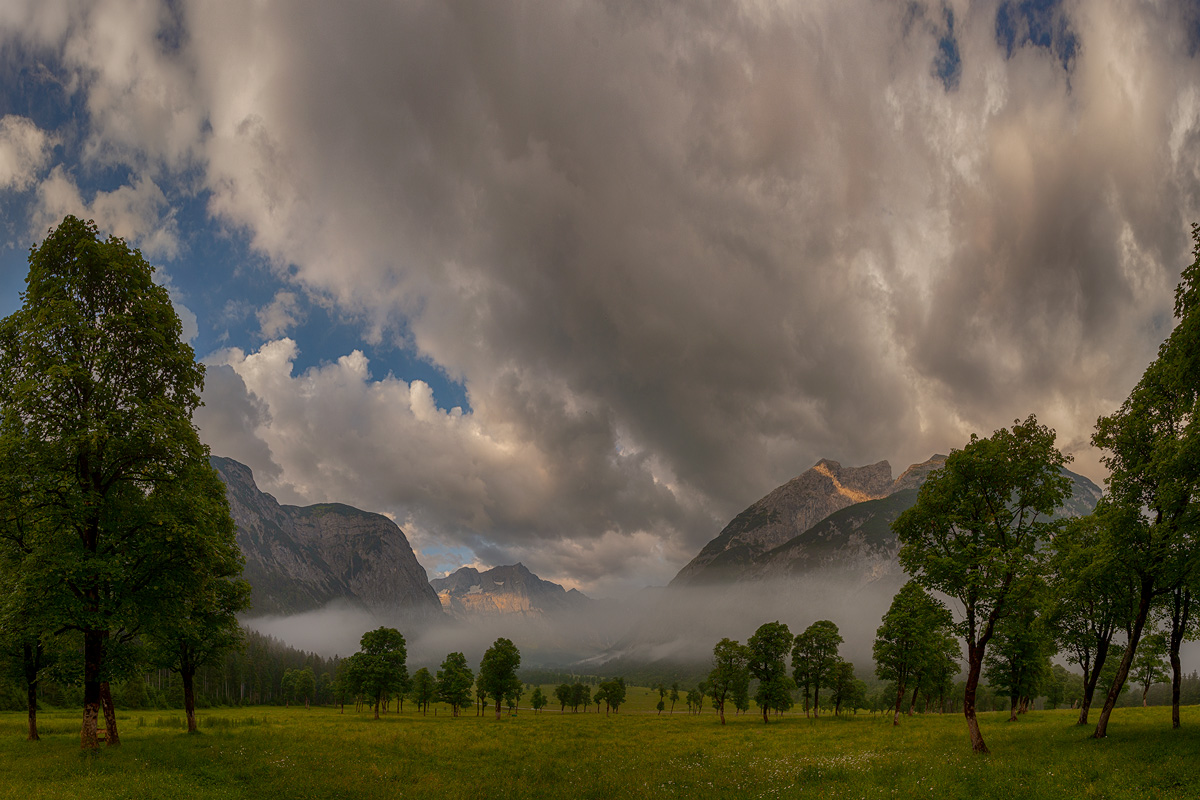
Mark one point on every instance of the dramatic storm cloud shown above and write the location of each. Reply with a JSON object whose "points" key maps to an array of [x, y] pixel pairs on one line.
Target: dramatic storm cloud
{"points": [[600, 275]]}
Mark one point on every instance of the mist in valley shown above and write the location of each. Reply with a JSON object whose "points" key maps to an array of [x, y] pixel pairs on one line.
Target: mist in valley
{"points": [[676, 626]]}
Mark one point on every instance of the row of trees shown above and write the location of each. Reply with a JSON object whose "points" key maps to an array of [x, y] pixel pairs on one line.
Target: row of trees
{"points": [[815, 663]]}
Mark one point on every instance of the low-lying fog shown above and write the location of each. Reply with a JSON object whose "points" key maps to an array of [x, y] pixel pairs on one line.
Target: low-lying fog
{"points": [[678, 625]]}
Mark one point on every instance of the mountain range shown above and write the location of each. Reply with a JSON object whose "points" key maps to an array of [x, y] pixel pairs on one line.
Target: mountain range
{"points": [[819, 546]]}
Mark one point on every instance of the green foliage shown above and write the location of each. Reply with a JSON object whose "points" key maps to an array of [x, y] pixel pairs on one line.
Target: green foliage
{"points": [[730, 674], [914, 639], [1150, 664], [96, 451], [767, 649], [1152, 445], [1018, 662], [454, 682], [563, 695], [977, 530], [498, 671], [537, 700], [815, 659], [379, 665]]}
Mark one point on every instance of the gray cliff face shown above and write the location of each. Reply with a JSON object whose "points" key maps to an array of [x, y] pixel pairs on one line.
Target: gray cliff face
{"points": [[298, 559], [507, 590]]}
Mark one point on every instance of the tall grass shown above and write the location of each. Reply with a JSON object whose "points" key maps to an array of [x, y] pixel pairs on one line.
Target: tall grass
{"points": [[319, 753]]}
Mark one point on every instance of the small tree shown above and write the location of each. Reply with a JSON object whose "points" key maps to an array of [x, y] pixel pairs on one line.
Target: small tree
{"points": [[563, 695], [1150, 665], [674, 695], [379, 666], [423, 688], [614, 694], [498, 671], [815, 657], [767, 649], [730, 671], [454, 681], [908, 640], [538, 699]]}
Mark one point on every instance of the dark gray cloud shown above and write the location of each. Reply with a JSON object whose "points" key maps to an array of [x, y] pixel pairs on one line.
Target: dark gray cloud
{"points": [[676, 252]]}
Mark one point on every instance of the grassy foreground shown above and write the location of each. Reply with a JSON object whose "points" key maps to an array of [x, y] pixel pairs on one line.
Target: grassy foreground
{"points": [[293, 753]]}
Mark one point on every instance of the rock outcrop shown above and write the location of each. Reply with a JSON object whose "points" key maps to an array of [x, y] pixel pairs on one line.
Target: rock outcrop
{"points": [[503, 591], [299, 559]]}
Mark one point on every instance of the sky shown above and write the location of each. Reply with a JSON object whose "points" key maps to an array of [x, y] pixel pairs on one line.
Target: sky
{"points": [[573, 283]]}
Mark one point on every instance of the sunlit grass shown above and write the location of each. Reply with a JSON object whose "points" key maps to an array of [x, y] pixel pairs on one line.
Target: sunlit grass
{"points": [[319, 753]]}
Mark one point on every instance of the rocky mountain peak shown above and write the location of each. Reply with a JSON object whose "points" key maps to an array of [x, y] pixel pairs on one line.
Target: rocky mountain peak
{"points": [[299, 559], [503, 590]]}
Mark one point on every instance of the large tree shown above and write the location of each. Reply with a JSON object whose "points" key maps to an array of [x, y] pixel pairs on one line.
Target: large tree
{"points": [[97, 389], [730, 672], [976, 532], [911, 639], [498, 671], [815, 658], [379, 666], [768, 648]]}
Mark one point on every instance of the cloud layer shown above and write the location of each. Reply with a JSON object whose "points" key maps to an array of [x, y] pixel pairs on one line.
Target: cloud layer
{"points": [[675, 252]]}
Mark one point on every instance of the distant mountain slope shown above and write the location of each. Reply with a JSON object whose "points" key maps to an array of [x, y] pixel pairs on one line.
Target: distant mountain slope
{"points": [[854, 537], [298, 559], [505, 590], [786, 511]]}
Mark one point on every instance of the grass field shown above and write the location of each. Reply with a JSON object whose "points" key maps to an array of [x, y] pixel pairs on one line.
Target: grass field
{"points": [[318, 753]]}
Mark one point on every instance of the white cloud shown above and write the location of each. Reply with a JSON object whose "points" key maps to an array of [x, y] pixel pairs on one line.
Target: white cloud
{"points": [[674, 257], [137, 212], [24, 152], [281, 315]]}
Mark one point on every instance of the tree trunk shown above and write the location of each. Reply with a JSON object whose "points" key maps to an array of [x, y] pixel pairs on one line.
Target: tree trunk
{"points": [[378, 700], [899, 700], [975, 664], [111, 737], [497, 707], [1012, 708], [1180, 612], [912, 705], [93, 650], [32, 658], [1114, 691], [189, 697], [1090, 680], [722, 707]]}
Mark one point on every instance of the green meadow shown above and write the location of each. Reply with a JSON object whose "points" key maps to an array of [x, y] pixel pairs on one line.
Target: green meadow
{"points": [[285, 753]]}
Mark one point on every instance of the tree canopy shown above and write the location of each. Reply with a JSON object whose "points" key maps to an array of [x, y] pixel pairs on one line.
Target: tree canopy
{"points": [[379, 666]]}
